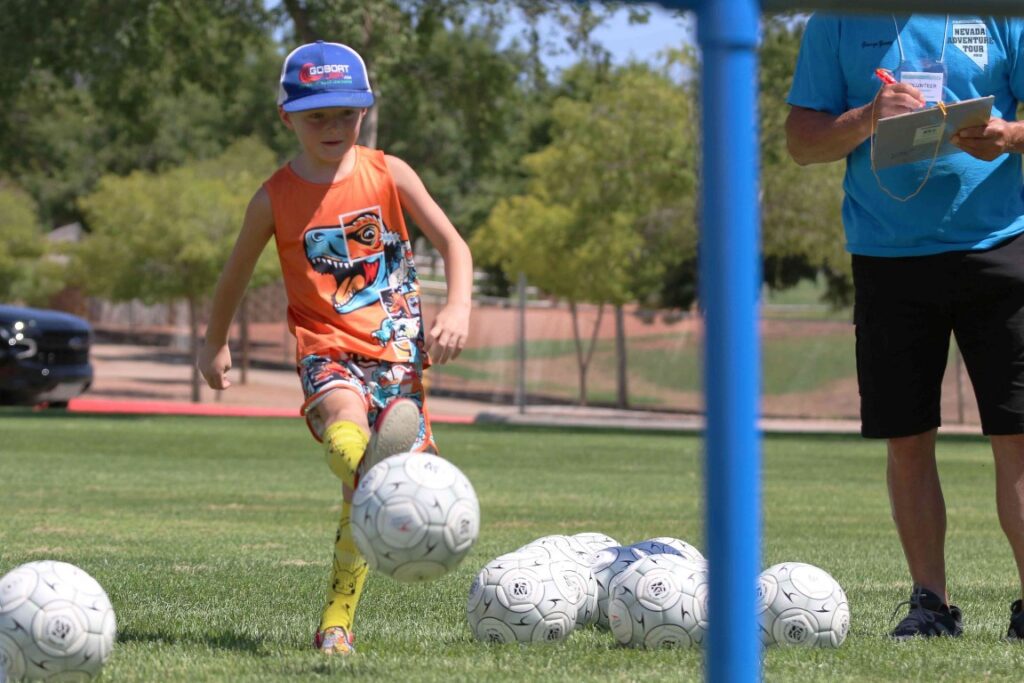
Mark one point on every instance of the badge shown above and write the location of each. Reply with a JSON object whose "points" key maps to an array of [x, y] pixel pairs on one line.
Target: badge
{"points": [[929, 83]]}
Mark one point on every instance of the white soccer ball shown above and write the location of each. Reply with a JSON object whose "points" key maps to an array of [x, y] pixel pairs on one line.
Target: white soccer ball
{"points": [[594, 541], [667, 544], [800, 604], [56, 622], [415, 516], [567, 554], [519, 597], [605, 566], [660, 601]]}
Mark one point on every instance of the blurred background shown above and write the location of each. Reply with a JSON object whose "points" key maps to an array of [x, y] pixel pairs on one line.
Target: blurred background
{"points": [[561, 138]]}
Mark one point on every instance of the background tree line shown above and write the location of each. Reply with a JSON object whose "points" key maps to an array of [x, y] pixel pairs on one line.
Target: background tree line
{"points": [[151, 122]]}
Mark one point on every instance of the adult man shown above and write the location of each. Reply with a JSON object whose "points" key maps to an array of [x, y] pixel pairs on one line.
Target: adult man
{"points": [[936, 248]]}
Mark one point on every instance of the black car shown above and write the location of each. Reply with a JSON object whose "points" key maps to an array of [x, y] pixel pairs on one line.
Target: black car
{"points": [[44, 356]]}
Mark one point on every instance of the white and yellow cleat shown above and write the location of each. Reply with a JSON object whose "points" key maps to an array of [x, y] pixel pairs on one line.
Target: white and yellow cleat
{"points": [[395, 430], [335, 640]]}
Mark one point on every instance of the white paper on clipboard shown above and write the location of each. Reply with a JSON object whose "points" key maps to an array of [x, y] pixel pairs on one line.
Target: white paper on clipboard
{"points": [[911, 137]]}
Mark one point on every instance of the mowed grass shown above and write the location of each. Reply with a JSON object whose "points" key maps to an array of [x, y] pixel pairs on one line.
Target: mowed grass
{"points": [[213, 539], [672, 362]]}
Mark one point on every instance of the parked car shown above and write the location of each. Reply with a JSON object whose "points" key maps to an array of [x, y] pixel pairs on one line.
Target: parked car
{"points": [[44, 356]]}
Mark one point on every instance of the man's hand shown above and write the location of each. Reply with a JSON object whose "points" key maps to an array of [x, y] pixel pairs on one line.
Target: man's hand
{"points": [[214, 363], [895, 99], [991, 141], [448, 333]]}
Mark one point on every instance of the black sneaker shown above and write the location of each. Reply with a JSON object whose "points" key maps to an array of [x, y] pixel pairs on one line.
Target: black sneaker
{"points": [[1016, 630], [928, 616]]}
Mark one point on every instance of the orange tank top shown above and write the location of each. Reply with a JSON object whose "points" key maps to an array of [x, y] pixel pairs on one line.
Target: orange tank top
{"points": [[347, 263]]}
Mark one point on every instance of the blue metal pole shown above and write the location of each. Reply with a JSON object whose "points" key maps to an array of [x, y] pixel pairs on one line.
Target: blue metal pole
{"points": [[729, 285]]}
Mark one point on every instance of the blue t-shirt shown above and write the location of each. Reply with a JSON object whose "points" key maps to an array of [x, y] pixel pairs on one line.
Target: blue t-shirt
{"points": [[966, 203]]}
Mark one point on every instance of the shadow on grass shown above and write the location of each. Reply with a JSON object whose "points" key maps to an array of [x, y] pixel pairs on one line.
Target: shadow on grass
{"points": [[218, 641]]}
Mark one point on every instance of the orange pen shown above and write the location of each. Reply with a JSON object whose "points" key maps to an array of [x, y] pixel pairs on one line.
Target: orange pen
{"points": [[885, 76]]}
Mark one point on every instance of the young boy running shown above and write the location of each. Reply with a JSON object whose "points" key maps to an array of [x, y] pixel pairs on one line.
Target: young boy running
{"points": [[335, 212]]}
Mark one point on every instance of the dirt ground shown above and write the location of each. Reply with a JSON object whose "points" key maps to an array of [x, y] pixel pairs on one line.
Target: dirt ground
{"points": [[127, 372]]}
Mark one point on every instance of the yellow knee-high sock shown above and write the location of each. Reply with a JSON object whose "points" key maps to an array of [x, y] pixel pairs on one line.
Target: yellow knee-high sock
{"points": [[347, 576], [345, 444]]}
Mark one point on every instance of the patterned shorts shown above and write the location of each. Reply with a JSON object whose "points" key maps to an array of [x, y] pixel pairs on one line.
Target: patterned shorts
{"points": [[377, 382]]}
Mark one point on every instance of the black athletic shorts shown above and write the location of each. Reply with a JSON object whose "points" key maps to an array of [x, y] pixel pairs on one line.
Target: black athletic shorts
{"points": [[905, 309]]}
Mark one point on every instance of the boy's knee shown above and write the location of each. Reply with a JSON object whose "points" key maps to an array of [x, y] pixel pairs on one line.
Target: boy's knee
{"points": [[344, 446]]}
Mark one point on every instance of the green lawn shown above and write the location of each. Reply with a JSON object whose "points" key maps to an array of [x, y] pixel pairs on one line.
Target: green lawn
{"points": [[212, 537], [789, 365]]}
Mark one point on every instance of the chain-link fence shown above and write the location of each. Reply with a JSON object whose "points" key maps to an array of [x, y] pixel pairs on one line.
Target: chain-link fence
{"points": [[526, 352]]}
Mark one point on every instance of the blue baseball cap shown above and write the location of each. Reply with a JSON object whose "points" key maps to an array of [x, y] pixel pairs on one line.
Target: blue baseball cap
{"points": [[319, 75]]}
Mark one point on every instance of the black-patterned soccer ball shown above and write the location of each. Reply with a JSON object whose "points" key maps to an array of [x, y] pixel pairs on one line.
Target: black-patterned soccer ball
{"points": [[519, 597], [660, 601], [56, 622], [800, 604], [415, 516]]}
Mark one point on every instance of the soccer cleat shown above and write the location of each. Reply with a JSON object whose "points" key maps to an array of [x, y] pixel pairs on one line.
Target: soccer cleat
{"points": [[929, 616], [335, 640], [1016, 630], [395, 431]]}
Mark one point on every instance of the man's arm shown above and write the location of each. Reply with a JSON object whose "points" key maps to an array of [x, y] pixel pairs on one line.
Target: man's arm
{"points": [[816, 137]]}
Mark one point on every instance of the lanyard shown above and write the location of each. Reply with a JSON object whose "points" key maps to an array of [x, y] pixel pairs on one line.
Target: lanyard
{"points": [[899, 42]]}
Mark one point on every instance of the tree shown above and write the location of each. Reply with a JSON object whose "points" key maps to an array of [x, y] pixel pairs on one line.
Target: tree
{"points": [[110, 86], [159, 237], [26, 274], [450, 102], [610, 202], [802, 233]]}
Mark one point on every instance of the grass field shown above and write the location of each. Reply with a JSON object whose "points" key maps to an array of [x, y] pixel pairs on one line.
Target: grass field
{"points": [[212, 537], [790, 365]]}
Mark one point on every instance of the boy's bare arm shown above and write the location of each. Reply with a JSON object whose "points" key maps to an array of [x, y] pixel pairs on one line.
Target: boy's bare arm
{"points": [[447, 335], [257, 229]]}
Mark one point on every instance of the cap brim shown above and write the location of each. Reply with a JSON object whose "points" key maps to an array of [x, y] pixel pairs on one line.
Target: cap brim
{"points": [[324, 100]]}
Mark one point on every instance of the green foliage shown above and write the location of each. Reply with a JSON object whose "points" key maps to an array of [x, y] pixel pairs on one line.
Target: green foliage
{"points": [[19, 227], [450, 103], [802, 232], [609, 204], [108, 87], [27, 274], [163, 236], [111, 86]]}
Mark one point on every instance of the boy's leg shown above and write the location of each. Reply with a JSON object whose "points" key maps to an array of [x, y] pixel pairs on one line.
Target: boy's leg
{"points": [[348, 575], [395, 430], [339, 417], [346, 434]]}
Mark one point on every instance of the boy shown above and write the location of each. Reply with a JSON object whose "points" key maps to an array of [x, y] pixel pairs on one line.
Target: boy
{"points": [[335, 211]]}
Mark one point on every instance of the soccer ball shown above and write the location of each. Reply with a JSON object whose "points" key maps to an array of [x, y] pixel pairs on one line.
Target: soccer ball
{"points": [[594, 541], [800, 604], [414, 516], [660, 601], [521, 597], [55, 622], [569, 556], [667, 544], [605, 566]]}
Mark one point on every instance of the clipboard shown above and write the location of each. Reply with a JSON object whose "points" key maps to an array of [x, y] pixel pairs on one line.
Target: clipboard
{"points": [[910, 137]]}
